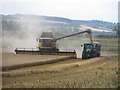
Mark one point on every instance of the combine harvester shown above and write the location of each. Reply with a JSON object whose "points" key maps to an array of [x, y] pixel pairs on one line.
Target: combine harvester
{"points": [[47, 46]]}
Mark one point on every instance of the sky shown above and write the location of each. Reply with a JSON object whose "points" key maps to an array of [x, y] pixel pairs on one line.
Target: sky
{"points": [[106, 10]]}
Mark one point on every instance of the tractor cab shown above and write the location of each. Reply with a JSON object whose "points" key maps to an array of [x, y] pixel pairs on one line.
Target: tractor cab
{"points": [[91, 50]]}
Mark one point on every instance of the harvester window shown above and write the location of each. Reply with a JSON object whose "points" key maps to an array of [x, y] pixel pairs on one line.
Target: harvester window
{"points": [[47, 43]]}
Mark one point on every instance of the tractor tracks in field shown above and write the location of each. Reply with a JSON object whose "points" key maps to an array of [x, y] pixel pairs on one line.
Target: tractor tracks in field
{"points": [[74, 67]]}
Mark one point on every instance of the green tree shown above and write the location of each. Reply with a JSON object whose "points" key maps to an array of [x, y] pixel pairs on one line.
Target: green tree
{"points": [[117, 29]]}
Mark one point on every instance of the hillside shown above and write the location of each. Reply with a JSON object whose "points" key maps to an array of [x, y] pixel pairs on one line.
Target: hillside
{"points": [[59, 21], [17, 24]]}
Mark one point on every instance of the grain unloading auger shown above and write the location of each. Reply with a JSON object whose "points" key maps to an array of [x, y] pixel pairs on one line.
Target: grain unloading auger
{"points": [[47, 46]]}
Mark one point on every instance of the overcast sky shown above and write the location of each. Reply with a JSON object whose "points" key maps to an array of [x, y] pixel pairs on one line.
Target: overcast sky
{"points": [[106, 10]]}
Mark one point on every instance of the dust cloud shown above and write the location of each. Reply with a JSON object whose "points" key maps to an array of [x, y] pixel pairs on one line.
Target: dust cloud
{"points": [[73, 44], [30, 29], [25, 37]]}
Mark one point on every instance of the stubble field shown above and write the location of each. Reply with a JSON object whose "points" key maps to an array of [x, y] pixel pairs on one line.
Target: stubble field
{"points": [[100, 72]]}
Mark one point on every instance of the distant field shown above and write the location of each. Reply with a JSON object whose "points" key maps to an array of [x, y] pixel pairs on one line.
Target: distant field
{"points": [[108, 44]]}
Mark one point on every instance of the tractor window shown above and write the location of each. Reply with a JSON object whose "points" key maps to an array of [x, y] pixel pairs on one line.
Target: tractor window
{"points": [[88, 47]]}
